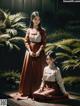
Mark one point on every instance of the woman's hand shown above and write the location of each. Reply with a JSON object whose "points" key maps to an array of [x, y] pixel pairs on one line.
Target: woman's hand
{"points": [[37, 53], [40, 89], [66, 94], [32, 54]]}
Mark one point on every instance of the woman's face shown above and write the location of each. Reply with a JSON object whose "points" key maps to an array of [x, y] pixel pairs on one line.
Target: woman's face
{"points": [[49, 60], [36, 21]]}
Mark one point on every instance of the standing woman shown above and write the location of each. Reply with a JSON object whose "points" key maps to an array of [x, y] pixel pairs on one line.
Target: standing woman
{"points": [[34, 60]]}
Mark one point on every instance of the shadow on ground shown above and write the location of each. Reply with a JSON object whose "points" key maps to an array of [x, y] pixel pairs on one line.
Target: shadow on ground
{"points": [[30, 102]]}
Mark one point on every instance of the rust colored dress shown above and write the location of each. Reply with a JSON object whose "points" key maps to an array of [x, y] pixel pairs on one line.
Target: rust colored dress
{"points": [[32, 69]]}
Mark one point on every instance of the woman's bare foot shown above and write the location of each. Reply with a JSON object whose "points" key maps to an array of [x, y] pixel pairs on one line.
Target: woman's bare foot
{"points": [[22, 97], [18, 96]]}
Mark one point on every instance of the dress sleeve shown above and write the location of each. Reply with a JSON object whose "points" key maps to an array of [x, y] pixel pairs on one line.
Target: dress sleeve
{"points": [[27, 36], [60, 81], [43, 79], [43, 41]]}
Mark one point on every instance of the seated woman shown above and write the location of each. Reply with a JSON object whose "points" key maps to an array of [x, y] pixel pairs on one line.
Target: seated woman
{"points": [[51, 88]]}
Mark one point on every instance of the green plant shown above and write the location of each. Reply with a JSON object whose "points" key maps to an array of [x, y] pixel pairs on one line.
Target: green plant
{"points": [[10, 75], [10, 24], [70, 57], [12, 46], [59, 35], [72, 84], [9, 80], [67, 42], [67, 55]]}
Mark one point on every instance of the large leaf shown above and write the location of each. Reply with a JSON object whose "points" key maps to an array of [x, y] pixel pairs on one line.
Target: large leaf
{"points": [[16, 17], [2, 25], [4, 37], [62, 55], [3, 13], [19, 25], [12, 23], [76, 50], [11, 31], [66, 48], [50, 46], [9, 45], [77, 65], [17, 47], [69, 64], [17, 41], [71, 61]]}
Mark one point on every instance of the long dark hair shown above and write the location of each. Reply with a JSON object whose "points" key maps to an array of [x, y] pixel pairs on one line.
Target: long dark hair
{"points": [[33, 15], [52, 55]]}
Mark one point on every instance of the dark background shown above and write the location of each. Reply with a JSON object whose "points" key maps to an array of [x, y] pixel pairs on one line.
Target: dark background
{"points": [[55, 15]]}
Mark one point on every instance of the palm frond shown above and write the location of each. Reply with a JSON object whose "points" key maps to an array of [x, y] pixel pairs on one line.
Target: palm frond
{"points": [[62, 55], [12, 23], [19, 25], [66, 48], [4, 37], [15, 46], [69, 64], [11, 31], [50, 46], [76, 50], [3, 13], [2, 24], [77, 65], [18, 41], [9, 45], [7, 21], [16, 17], [70, 61]]}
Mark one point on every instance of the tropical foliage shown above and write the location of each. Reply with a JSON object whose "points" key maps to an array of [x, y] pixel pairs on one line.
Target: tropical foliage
{"points": [[58, 35], [11, 23], [72, 84], [11, 43], [67, 54], [9, 80]]}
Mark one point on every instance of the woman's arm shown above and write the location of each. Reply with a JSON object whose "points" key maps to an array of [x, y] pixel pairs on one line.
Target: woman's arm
{"points": [[43, 43], [26, 40], [43, 81], [42, 84], [60, 81]]}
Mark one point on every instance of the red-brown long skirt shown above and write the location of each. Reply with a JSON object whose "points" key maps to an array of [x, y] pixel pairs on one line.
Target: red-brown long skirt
{"points": [[32, 72], [50, 93]]}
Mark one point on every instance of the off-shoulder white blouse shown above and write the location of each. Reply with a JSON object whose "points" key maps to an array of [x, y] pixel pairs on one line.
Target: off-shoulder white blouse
{"points": [[53, 74]]}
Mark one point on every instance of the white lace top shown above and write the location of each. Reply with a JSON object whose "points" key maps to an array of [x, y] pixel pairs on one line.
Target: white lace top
{"points": [[53, 75], [34, 35]]}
